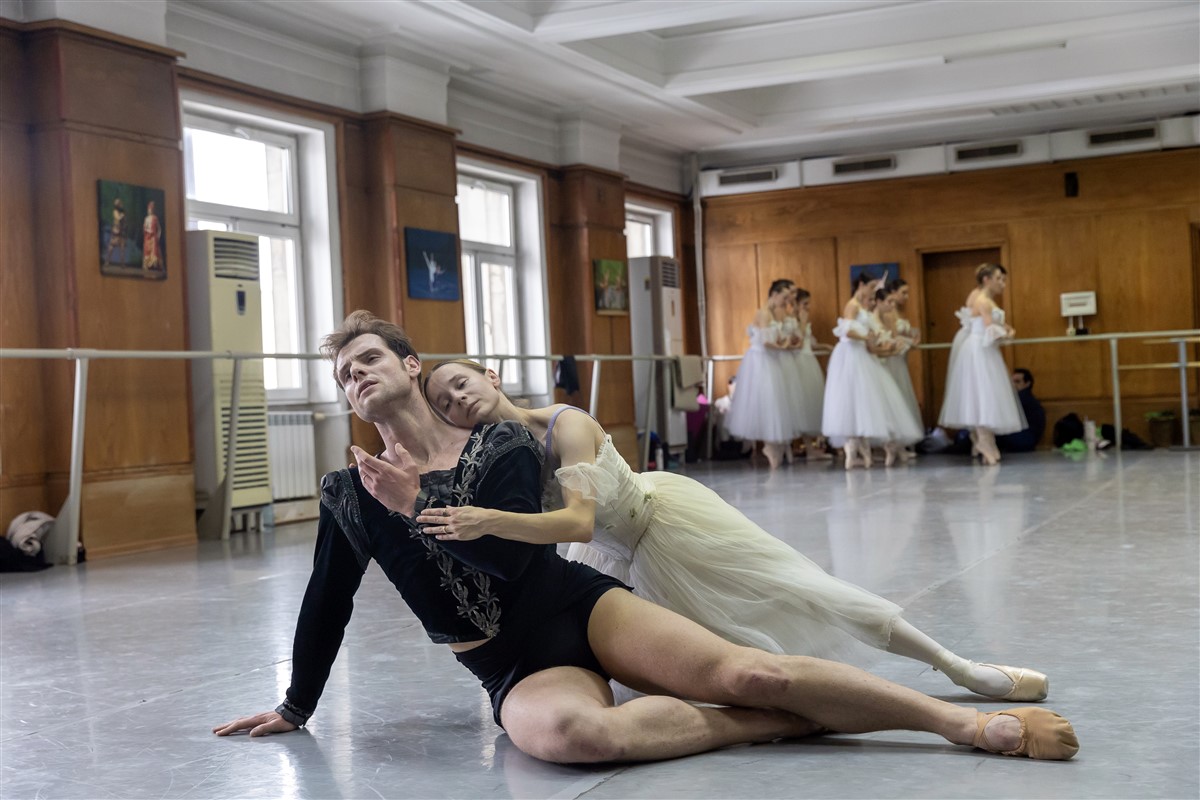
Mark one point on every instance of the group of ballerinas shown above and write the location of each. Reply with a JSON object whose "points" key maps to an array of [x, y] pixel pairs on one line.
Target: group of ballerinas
{"points": [[869, 396], [781, 390], [867, 400]]}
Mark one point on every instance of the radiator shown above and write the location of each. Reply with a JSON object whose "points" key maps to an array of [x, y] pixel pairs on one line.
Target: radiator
{"points": [[293, 460]]}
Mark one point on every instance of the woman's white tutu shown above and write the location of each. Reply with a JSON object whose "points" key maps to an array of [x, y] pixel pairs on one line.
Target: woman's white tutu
{"points": [[979, 390], [812, 388], [861, 399], [760, 410], [897, 367], [683, 547]]}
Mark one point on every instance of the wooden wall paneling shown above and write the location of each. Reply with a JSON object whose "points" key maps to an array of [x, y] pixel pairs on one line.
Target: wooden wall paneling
{"points": [[1145, 180], [731, 285], [22, 422], [437, 326], [1048, 257], [114, 506], [1144, 283], [685, 248], [812, 264], [423, 156], [135, 408], [139, 92]]}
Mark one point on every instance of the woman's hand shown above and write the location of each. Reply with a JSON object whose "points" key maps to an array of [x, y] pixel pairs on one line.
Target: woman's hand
{"points": [[456, 524]]}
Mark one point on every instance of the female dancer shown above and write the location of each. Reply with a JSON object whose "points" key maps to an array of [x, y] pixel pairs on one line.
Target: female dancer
{"points": [[760, 409], [896, 363], [683, 546], [863, 406], [812, 380], [979, 391]]}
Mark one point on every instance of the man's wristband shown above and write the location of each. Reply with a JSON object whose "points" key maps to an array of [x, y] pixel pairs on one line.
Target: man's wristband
{"points": [[293, 713]]}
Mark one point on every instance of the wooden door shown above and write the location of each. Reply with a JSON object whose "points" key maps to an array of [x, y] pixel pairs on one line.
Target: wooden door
{"points": [[947, 279]]}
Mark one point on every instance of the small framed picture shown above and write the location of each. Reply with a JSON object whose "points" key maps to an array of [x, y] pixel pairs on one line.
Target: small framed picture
{"points": [[610, 282], [887, 271], [431, 258], [133, 235]]}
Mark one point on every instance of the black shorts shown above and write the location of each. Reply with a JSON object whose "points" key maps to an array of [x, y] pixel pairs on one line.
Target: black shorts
{"points": [[557, 640]]}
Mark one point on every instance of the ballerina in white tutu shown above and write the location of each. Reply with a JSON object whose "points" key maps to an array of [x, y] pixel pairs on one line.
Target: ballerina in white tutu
{"points": [[863, 405], [761, 408], [979, 390], [684, 547], [900, 337], [810, 404]]}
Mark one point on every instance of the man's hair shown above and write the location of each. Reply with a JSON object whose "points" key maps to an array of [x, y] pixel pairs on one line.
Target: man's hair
{"points": [[360, 323], [802, 294], [984, 271], [1026, 374]]}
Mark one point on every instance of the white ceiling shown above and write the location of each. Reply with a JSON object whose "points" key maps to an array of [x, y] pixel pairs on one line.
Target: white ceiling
{"points": [[743, 80]]}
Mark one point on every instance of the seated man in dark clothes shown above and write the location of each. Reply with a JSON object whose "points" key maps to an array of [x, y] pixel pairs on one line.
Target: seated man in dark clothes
{"points": [[1026, 440], [545, 635]]}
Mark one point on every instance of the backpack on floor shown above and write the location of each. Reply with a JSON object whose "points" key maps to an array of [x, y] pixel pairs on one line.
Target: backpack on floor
{"points": [[1068, 429]]}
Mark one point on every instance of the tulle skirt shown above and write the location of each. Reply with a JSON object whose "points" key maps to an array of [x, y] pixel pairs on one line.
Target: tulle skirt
{"points": [[703, 559], [979, 390], [760, 410], [812, 393], [862, 400], [897, 367]]}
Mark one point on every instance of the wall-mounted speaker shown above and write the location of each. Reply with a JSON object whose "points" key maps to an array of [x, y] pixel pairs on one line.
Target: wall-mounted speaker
{"points": [[1071, 184]]}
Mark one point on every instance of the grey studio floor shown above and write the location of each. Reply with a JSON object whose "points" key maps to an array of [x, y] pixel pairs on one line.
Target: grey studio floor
{"points": [[114, 672]]}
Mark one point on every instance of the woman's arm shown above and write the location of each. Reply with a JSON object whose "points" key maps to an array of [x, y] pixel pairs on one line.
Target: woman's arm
{"points": [[577, 440]]}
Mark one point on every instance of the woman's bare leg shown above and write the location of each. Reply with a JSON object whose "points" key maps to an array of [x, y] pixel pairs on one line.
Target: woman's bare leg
{"points": [[983, 679]]}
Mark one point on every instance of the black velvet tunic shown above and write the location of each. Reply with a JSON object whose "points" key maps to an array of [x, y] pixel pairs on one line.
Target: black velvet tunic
{"points": [[461, 591]]}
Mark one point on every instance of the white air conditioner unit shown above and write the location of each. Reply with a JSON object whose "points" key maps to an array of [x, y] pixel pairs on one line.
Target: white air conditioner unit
{"points": [[225, 313], [848, 169], [1004, 153], [656, 328], [746, 180]]}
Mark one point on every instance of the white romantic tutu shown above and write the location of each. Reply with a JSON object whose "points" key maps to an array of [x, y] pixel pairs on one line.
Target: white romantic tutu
{"points": [[678, 544], [812, 388], [979, 390], [760, 410], [897, 367], [861, 399]]}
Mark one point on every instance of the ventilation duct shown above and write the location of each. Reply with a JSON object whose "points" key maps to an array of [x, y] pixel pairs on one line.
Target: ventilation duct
{"points": [[1122, 136], [900, 164], [975, 152], [750, 176], [745, 180], [872, 164]]}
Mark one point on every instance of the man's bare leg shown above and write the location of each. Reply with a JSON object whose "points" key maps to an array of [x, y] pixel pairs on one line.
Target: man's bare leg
{"points": [[566, 715], [656, 651]]}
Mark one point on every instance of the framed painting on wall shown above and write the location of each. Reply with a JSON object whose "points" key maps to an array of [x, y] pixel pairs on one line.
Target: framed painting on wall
{"points": [[610, 282], [132, 230], [888, 271], [431, 258]]}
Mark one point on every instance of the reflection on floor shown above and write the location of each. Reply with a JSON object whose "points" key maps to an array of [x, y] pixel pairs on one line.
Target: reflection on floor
{"points": [[113, 672]]}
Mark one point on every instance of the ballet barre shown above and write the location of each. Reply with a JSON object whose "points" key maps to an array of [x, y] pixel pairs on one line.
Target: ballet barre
{"points": [[62, 543]]}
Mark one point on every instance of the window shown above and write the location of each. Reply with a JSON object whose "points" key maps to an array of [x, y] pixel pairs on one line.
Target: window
{"points": [[491, 290], [649, 231], [245, 179]]}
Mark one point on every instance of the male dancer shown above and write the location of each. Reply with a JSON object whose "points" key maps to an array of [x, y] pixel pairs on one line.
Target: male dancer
{"points": [[545, 635]]}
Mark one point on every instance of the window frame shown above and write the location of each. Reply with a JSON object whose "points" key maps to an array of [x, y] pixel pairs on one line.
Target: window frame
{"points": [[512, 376], [258, 222]]}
